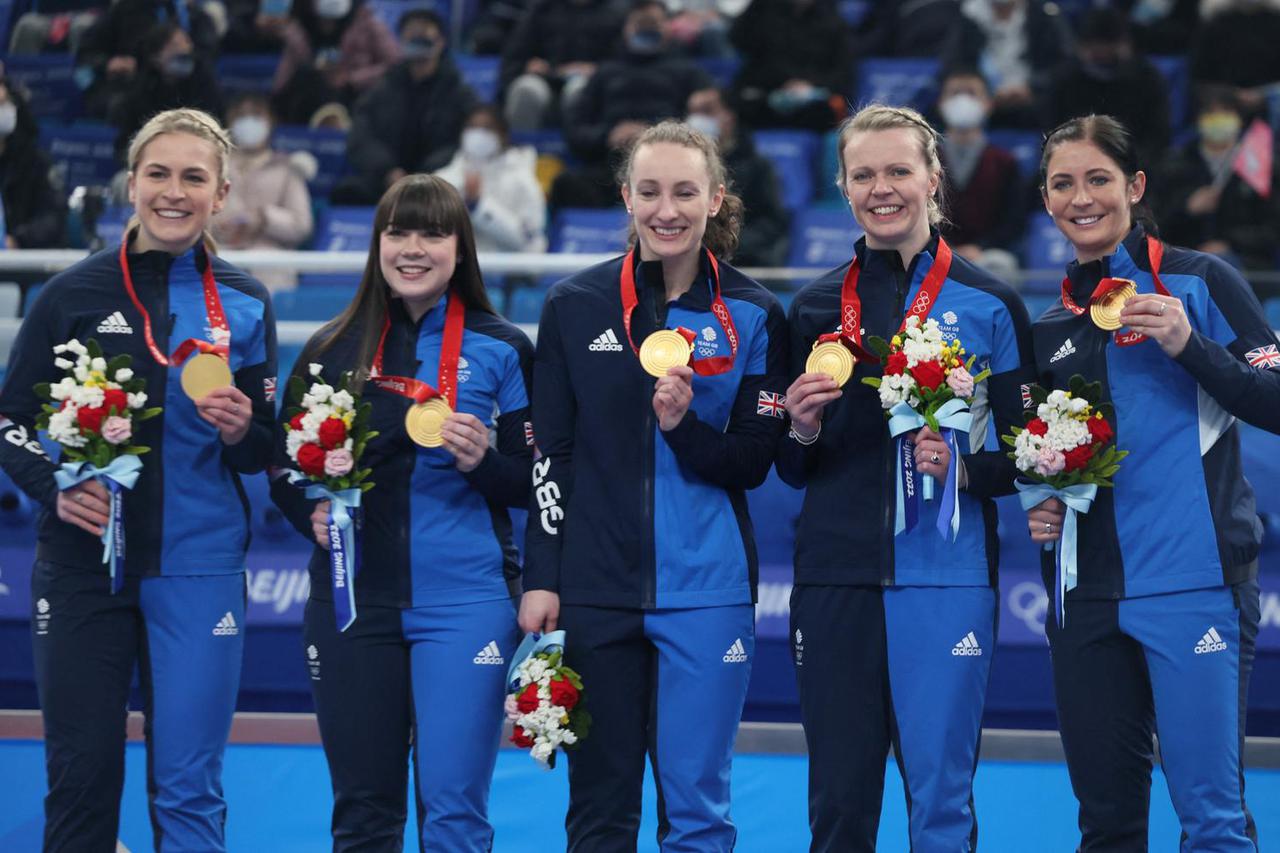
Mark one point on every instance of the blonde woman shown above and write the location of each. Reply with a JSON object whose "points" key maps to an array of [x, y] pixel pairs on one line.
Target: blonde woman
{"points": [[179, 615]]}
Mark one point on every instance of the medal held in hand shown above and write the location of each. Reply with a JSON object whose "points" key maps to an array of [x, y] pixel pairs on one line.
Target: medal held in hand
{"points": [[663, 350], [425, 422], [1108, 298], [203, 373], [1105, 310], [832, 358]]}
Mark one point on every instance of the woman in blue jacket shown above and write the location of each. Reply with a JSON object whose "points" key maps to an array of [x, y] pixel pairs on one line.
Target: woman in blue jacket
{"points": [[657, 400], [424, 663], [179, 614], [1161, 624]]}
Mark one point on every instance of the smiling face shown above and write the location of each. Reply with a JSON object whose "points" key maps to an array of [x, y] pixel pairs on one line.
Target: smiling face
{"points": [[670, 198], [889, 184], [1089, 198], [417, 264], [175, 188]]}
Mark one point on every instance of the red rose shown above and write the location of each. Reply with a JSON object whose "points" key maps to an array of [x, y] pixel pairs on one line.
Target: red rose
{"points": [[1078, 457], [1100, 431], [117, 398], [91, 418], [311, 459], [527, 701], [1035, 426], [895, 364], [929, 374], [521, 738], [563, 693], [295, 422], [332, 433]]}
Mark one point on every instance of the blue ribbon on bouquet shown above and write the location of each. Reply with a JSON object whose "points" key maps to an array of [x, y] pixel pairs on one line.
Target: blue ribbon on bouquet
{"points": [[953, 415], [344, 549], [1078, 499], [532, 644], [121, 474]]}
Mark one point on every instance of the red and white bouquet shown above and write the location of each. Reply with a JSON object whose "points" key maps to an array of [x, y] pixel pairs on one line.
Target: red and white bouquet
{"points": [[326, 432], [544, 702], [91, 414]]}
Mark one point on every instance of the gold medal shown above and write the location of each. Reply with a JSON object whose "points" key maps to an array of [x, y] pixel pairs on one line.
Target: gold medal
{"points": [[664, 349], [1105, 312], [205, 372], [425, 422], [832, 358]]}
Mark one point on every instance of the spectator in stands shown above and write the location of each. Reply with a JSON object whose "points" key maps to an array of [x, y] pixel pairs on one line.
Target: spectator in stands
{"points": [[499, 184], [1161, 26], [986, 196], [411, 120], [114, 50], [255, 26], [902, 28], [1204, 204], [171, 74], [701, 27], [1108, 75], [763, 239], [645, 83], [334, 50], [1236, 46], [33, 212], [60, 31], [269, 206], [1016, 44], [795, 63], [555, 48], [493, 26]]}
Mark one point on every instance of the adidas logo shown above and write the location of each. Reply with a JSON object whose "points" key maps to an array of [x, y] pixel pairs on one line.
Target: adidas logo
{"points": [[490, 654], [1211, 642], [967, 647], [1065, 350], [606, 341], [116, 324], [737, 653], [226, 626]]}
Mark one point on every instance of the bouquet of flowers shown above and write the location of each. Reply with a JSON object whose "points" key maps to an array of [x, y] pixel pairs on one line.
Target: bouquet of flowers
{"points": [[326, 432], [925, 381], [91, 415], [544, 699], [1065, 451]]}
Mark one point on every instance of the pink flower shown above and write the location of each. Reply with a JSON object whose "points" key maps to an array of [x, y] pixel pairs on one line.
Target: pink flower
{"points": [[338, 463], [1050, 462], [960, 382], [116, 430], [513, 713]]}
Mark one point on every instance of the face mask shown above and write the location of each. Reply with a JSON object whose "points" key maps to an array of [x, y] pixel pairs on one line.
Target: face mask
{"points": [[963, 111], [332, 9], [705, 124], [180, 66], [479, 143], [420, 49], [8, 118], [645, 42], [1219, 128], [250, 132]]}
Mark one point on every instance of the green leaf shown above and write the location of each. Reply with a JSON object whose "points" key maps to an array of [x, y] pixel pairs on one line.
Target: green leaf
{"points": [[296, 388], [873, 381], [118, 363], [1010, 440], [878, 346], [94, 348], [148, 414], [44, 389], [136, 450]]}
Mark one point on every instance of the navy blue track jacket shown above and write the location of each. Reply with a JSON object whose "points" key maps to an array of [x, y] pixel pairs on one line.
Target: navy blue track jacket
{"points": [[431, 535], [187, 514], [623, 514], [1182, 515], [845, 531]]}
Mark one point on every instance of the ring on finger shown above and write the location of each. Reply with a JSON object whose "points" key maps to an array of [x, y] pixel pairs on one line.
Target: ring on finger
{"points": [[935, 458], [1048, 528], [1163, 306]]}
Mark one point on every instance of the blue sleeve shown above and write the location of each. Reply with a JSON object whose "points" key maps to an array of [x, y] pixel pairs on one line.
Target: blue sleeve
{"points": [[255, 379], [503, 473]]}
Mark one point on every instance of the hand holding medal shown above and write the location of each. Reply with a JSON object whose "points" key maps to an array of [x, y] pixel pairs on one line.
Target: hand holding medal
{"points": [[672, 395], [1115, 303]]}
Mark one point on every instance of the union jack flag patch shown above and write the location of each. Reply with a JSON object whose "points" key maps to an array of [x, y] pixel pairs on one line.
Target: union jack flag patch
{"points": [[269, 389], [769, 403], [528, 433], [1026, 396], [1265, 357]]}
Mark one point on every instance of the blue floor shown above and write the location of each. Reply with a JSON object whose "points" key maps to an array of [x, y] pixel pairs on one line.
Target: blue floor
{"points": [[279, 800]]}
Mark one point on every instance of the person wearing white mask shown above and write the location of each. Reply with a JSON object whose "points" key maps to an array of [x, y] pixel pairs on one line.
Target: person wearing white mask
{"points": [[987, 197], [269, 206], [33, 212], [499, 184]]}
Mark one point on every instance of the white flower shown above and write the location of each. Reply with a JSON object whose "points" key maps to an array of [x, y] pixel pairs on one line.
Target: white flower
{"points": [[81, 373], [59, 349], [124, 374], [293, 441], [65, 429], [896, 389], [315, 369], [76, 347], [319, 393], [137, 401], [63, 364], [62, 390], [342, 400], [1078, 405], [542, 751], [99, 364]]}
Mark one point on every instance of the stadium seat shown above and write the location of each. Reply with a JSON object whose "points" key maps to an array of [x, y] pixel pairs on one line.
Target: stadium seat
{"points": [[239, 73], [822, 237], [793, 154], [828, 168], [721, 69], [898, 82], [589, 230], [86, 151], [29, 297], [10, 299], [1044, 247], [1272, 306], [111, 222], [1024, 145], [1177, 77], [50, 83], [327, 145], [481, 74], [344, 229], [1039, 302], [317, 298], [526, 304]]}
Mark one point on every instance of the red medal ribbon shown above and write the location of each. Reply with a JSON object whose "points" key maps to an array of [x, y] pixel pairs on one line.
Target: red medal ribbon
{"points": [[447, 375], [702, 366], [850, 333], [213, 311], [1155, 253]]}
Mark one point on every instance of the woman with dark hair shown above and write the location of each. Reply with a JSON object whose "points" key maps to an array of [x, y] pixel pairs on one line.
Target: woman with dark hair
{"points": [[658, 401], [1161, 623], [425, 661], [33, 212]]}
